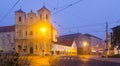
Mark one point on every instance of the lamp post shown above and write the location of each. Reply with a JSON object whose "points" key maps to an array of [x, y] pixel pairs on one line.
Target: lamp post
{"points": [[85, 44], [43, 31]]}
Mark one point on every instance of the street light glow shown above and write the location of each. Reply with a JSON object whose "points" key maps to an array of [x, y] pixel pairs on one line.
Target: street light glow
{"points": [[43, 29], [85, 43]]}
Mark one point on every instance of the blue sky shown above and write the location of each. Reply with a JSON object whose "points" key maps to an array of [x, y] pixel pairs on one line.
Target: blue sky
{"points": [[88, 16]]}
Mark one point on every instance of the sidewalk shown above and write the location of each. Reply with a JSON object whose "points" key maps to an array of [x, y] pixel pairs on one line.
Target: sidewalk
{"points": [[40, 61], [115, 60]]}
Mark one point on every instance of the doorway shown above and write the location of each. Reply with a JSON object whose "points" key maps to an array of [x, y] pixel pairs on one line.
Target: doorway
{"points": [[31, 50]]}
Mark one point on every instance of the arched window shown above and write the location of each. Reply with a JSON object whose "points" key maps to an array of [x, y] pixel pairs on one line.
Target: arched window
{"points": [[46, 16], [40, 16], [36, 47], [31, 18], [31, 33], [19, 19], [20, 33], [26, 33]]}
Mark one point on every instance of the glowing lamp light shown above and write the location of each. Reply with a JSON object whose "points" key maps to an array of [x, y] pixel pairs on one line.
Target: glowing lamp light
{"points": [[43, 29], [85, 43]]}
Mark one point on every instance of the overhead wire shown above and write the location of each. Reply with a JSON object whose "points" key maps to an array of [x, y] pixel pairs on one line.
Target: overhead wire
{"points": [[65, 7], [9, 11]]}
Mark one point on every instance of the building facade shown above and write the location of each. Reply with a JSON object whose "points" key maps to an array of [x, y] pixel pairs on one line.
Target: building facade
{"points": [[116, 39], [66, 47], [7, 39], [34, 33], [82, 42], [86, 43], [97, 44]]}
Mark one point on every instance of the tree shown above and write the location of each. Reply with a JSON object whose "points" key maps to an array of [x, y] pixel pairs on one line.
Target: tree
{"points": [[116, 37]]}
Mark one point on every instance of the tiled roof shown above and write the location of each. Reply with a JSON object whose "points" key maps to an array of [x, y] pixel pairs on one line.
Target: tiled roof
{"points": [[7, 28]]}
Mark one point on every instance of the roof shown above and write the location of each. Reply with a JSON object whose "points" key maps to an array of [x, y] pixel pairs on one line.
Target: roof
{"points": [[7, 28], [20, 11], [65, 42], [31, 12], [44, 8], [70, 36], [89, 35], [117, 27], [68, 40]]}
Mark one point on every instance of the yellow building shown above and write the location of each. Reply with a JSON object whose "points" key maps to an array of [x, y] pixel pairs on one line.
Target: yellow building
{"points": [[34, 33]]}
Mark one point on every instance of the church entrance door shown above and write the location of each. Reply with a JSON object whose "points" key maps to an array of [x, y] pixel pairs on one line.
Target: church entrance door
{"points": [[31, 50]]}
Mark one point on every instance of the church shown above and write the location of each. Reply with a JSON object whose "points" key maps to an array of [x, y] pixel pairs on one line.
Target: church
{"points": [[34, 32]]}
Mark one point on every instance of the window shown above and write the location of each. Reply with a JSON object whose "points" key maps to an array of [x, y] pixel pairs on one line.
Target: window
{"points": [[25, 48], [19, 47], [31, 33], [31, 18], [8, 35], [36, 46], [20, 33], [46, 16], [26, 33], [40, 17], [56, 37], [19, 19]]}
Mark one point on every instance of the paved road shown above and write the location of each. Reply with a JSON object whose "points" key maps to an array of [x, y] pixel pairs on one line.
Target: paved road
{"points": [[65, 61], [76, 61]]}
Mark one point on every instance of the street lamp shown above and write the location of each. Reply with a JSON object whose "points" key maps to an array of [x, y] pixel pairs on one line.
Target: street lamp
{"points": [[43, 31], [85, 43]]}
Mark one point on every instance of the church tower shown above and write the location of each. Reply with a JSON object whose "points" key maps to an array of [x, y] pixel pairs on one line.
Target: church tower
{"points": [[20, 17], [44, 14], [20, 28]]}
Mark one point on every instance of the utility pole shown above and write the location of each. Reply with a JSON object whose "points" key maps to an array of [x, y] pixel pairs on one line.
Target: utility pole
{"points": [[107, 48]]}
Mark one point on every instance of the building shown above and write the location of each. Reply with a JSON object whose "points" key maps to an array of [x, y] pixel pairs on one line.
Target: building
{"points": [[34, 33], [64, 47], [82, 42], [7, 39], [31, 34], [97, 44], [86, 43], [116, 39]]}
